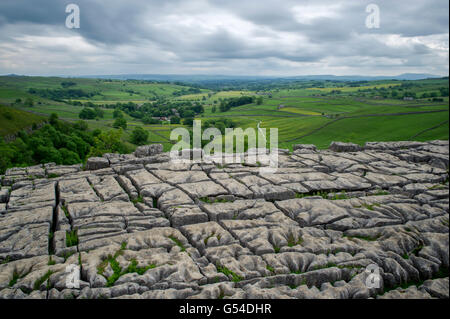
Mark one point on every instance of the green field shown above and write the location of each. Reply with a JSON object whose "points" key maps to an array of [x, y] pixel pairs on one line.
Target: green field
{"points": [[13, 120], [334, 111]]}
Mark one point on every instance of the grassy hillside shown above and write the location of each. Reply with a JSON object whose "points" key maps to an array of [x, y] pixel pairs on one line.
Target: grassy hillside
{"points": [[12, 87], [13, 120]]}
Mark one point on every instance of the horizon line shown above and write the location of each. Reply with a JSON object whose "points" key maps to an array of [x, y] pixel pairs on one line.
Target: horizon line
{"points": [[224, 75]]}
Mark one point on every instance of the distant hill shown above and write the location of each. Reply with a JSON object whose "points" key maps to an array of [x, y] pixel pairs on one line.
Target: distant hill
{"points": [[208, 78], [405, 76]]}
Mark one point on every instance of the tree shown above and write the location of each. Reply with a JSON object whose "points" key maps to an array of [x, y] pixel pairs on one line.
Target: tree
{"points": [[223, 106], [67, 84], [117, 113], [29, 102], [8, 115], [444, 91], [187, 114], [87, 114], [47, 154], [99, 112], [188, 121], [81, 125], [150, 120], [198, 108], [214, 108], [69, 157], [108, 142], [259, 100], [175, 120], [53, 119], [139, 136], [7, 155], [120, 123]]}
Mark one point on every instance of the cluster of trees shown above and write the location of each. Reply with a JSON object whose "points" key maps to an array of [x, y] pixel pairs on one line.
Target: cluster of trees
{"points": [[61, 143], [29, 102], [120, 122], [150, 120], [60, 94], [139, 136], [443, 92], [259, 100], [227, 104], [149, 113], [160, 108], [89, 113], [220, 124], [191, 90], [67, 84], [405, 89]]}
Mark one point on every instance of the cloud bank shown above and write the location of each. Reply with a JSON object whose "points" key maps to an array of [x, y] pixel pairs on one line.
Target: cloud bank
{"points": [[247, 37]]}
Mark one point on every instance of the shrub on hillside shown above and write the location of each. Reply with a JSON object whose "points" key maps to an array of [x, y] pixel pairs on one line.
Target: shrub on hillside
{"points": [[139, 136], [120, 122]]}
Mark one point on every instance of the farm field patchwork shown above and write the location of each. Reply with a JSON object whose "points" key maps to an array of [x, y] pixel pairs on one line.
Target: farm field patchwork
{"points": [[298, 113]]}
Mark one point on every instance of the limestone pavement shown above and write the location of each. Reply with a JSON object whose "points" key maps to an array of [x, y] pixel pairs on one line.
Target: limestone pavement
{"points": [[141, 226]]}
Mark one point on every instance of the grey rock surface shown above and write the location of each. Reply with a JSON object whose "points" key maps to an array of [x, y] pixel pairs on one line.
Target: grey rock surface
{"points": [[95, 163], [344, 147], [311, 229], [148, 150]]}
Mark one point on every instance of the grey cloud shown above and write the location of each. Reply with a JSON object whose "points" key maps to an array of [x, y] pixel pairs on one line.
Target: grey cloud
{"points": [[183, 34]]}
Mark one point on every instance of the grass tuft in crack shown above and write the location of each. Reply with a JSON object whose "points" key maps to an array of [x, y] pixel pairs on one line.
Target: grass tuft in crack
{"points": [[71, 238], [227, 272], [41, 280], [177, 242]]}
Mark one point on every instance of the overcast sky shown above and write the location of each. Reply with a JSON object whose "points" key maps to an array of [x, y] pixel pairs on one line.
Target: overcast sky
{"points": [[245, 37]]}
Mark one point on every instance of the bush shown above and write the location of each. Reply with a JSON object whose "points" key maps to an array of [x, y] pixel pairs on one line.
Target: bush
{"points": [[149, 120], [87, 114], [99, 112], [69, 157], [175, 120], [29, 102], [139, 136], [47, 154], [80, 125], [187, 114], [188, 121], [117, 113], [108, 142], [120, 122], [7, 115], [53, 119]]}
